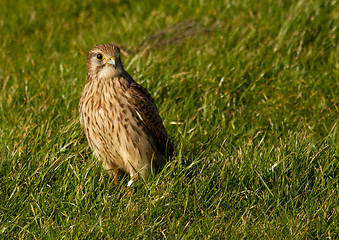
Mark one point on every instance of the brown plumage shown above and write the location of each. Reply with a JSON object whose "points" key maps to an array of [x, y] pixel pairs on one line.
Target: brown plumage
{"points": [[120, 118]]}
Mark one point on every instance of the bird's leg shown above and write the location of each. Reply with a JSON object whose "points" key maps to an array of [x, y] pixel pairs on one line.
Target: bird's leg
{"points": [[115, 176], [112, 170]]}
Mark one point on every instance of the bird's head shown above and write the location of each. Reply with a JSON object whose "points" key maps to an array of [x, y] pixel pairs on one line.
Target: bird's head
{"points": [[103, 61]]}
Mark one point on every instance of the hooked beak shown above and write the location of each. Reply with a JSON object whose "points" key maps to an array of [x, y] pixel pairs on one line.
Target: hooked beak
{"points": [[112, 62]]}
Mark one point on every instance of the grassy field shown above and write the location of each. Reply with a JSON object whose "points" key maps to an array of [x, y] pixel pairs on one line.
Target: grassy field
{"points": [[248, 91]]}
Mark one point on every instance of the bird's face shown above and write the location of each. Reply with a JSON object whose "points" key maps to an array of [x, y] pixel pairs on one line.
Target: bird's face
{"points": [[103, 61]]}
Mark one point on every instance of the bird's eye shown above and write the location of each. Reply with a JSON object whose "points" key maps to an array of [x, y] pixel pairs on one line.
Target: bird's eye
{"points": [[100, 56]]}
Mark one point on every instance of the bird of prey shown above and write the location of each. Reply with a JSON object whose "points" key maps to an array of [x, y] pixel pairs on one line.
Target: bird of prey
{"points": [[120, 118]]}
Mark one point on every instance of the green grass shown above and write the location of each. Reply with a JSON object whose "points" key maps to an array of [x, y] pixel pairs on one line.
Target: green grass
{"points": [[252, 107]]}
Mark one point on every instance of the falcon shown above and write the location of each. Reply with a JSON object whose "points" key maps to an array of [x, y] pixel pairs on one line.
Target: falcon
{"points": [[120, 118]]}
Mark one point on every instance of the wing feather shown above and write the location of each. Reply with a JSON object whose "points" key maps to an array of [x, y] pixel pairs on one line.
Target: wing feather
{"points": [[146, 108]]}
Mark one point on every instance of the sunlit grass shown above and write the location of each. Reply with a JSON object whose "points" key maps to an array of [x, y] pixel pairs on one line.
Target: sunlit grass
{"points": [[251, 106]]}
